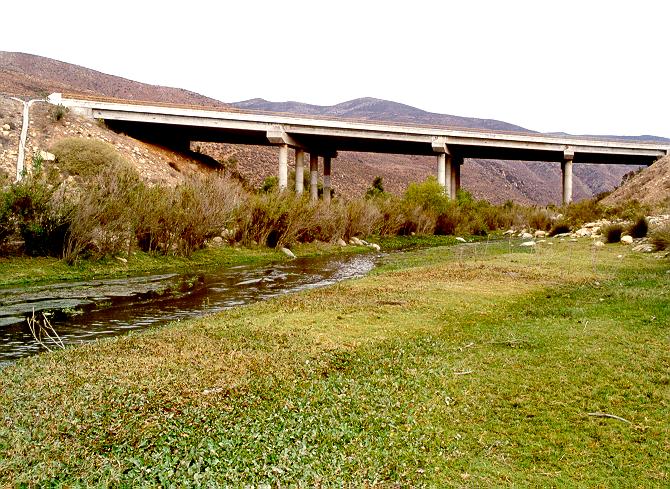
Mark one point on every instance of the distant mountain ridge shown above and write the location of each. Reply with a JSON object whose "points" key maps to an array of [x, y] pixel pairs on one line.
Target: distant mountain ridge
{"points": [[374, 109]]}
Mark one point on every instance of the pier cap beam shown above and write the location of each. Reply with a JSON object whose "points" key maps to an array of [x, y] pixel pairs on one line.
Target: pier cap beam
{"points": [[279, 136]]}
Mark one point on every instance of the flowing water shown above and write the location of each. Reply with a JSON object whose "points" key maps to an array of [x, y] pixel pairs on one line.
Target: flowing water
{"points": [[88, 310]]}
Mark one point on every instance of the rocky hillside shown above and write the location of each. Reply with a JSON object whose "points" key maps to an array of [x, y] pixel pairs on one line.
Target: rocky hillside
{"points": [[26, 76], [650, 186], [155, 164]]}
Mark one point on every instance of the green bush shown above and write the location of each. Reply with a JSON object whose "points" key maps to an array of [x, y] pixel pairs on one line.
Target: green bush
{"points": [[85, 157], [639, 228], [612, 233], [57, 112], [660, 237]]}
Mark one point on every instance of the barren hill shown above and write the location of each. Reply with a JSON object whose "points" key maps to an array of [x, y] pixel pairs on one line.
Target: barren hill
{"points": [[27, 75], [650, 186], [378, 110]]}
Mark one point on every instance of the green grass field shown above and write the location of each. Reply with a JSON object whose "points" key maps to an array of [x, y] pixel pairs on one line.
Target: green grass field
{"points": [[463, 366]]}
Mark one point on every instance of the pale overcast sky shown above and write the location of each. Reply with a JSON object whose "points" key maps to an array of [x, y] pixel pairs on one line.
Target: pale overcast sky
{"points": [[583, 67]]}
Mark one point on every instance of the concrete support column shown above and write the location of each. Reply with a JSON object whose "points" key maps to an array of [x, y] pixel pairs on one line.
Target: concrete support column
{"points": [[299, 171], [313, 177], [441, 169], [326, 179], [566, 169], [283, 166], [449, 176], [455, 176]]}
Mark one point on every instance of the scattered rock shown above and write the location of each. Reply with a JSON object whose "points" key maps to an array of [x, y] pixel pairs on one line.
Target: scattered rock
{"points": [[509, 232], [217, 240], [526, 236], [462, 240], [121, 259], [598, 244], [540, 234], [626, 239], [375, 246], [5, 133], [644, 248], [573, 240], [341, 242], [356, 242], [528, 243], [6, 127], [46, 156], [288, 252], [562, 235], [583, 233]]}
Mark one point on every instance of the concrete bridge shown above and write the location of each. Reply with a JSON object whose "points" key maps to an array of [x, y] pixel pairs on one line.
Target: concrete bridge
{"points": [[177, 125]]}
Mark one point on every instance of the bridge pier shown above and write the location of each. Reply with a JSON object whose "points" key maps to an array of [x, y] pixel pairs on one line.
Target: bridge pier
{"points": [[326, 179], [283, 166], [455, 180], [441, 169], [299, 171], [566, 171], [313, 177]]}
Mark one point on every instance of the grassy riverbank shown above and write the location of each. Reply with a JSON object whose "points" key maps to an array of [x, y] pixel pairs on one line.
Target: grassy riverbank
{"points": [[27, 270], [448, 366]]}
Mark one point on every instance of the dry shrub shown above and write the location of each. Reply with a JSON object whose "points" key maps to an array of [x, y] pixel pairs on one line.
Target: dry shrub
{"points": [[180, 220], [392, 217], [273, 219], [105, 213], [363, 218]]}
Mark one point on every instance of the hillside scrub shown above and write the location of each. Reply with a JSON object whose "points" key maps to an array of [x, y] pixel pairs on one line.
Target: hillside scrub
{"points": [[113, 212]]}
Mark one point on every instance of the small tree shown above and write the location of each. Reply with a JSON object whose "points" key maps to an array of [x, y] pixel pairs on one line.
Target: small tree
{"points": [[376, 189]]}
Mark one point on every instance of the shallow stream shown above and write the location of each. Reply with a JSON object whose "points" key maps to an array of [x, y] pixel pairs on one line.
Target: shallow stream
{"points": [[88, 310]]}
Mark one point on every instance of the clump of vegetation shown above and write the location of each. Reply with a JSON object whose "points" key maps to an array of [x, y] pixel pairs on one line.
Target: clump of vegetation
{"points": [[560, 227], [376, 189], [660, 237], [579, 213], [57, 112], [38, 211], [538, 218], [612, 233], [85, 157], [639, 228]]}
